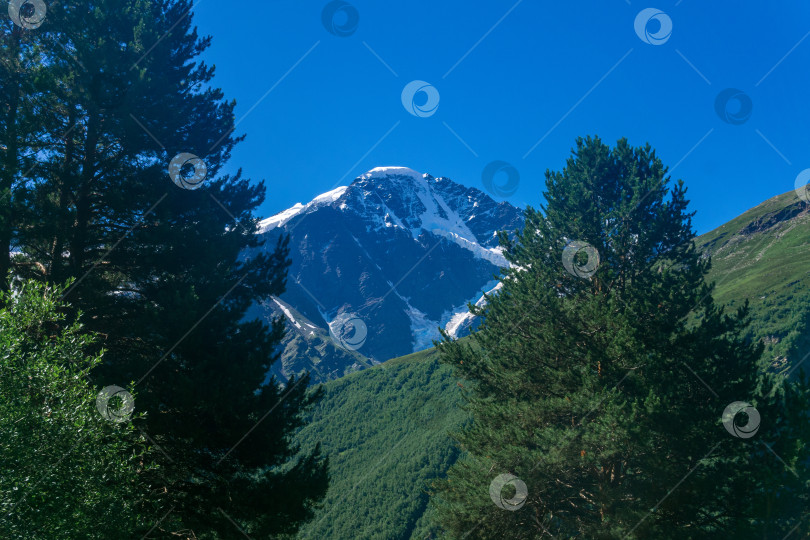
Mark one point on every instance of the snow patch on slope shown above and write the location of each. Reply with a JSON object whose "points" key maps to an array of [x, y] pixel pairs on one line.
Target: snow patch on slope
{"points": [[462, 317], [288, 314], [438, 218], [281, 218], [424, 330], [493, 255]]}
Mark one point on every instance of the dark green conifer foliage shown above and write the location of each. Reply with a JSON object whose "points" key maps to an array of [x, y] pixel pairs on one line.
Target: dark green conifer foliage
{"points": [[116, 91], [604, 394]]}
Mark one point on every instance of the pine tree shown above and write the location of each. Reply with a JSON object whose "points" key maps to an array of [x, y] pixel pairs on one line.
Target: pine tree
{"points": [[161, 271], [24, 126], [599, 378]]}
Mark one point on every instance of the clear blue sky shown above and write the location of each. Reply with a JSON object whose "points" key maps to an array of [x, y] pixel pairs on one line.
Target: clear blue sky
{"points": [[525, 81]]}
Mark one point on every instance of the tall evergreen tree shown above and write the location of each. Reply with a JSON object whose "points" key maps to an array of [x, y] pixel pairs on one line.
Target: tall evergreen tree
{"points": [[25, 124], [159, 270], [599, 378]]}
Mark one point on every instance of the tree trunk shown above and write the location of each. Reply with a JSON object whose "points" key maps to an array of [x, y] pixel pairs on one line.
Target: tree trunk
{"points": [[78, 246], [56, 266]]}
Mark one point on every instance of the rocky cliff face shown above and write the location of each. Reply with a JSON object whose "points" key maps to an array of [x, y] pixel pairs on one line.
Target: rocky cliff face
{"points": [[379, 265]]}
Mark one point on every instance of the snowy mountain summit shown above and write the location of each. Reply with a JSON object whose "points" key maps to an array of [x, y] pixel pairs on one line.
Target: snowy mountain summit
{"points": [[401, 251]]}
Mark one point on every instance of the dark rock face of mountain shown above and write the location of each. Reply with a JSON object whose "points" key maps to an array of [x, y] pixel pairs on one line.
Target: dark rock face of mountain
{"points": [[379, 265]]}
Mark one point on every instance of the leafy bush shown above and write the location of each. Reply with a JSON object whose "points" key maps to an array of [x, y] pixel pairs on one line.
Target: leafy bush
{"points": [[65, 471]]}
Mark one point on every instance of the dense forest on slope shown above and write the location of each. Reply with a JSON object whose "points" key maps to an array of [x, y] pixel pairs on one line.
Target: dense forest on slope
{"points": [[386, 429]]}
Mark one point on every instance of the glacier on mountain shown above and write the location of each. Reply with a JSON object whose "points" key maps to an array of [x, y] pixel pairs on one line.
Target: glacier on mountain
{"points": [[405, 251]]}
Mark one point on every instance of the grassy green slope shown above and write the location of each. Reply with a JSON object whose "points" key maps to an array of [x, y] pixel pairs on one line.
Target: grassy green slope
{"points": [[385, 429], [763, 256]]}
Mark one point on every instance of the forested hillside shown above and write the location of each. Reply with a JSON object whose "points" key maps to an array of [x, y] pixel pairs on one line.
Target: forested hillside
{"points": [[386, 429]]}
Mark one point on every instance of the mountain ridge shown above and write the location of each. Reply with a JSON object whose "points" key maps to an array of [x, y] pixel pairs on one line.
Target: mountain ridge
{"points": [[397, 251]]}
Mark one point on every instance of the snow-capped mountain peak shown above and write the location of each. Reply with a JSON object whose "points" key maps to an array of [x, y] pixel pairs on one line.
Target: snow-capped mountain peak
{"points": [[382, 172], [401, 250]]}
